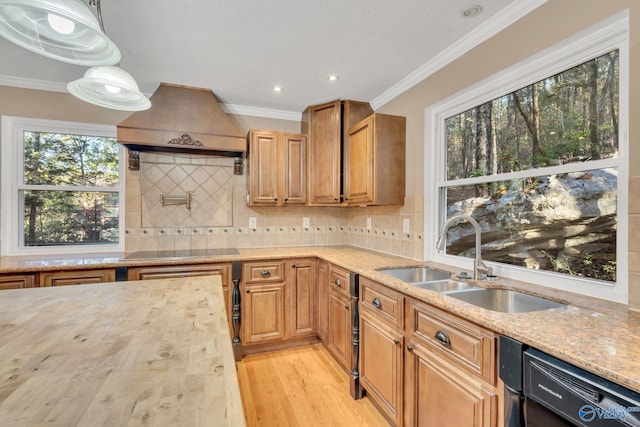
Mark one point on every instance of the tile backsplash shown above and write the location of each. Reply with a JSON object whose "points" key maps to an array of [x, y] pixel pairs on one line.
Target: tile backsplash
{"points": [[220, 216]]}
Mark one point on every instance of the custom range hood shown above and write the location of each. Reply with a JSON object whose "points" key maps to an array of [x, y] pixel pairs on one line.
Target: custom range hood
{"points": [[181, 120]]}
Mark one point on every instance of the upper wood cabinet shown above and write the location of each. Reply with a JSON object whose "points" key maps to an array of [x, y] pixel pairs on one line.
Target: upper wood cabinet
{"points": [[277, 168], [327, 125], [375, 161]]}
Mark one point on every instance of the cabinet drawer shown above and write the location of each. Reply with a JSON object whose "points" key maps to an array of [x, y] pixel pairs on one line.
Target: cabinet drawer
{"points": [[78, 277], [263, 272], [339, 279], [465, 344], [383, 302], [17, 281]]}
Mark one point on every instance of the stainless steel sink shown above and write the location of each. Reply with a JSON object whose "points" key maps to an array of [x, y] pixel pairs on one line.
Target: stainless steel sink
{"points": [[504, 300], [444, 286], [416, 274]]}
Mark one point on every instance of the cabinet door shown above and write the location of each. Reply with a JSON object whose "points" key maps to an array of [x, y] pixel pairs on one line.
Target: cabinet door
{"points": [[78, 277], [302, 290], [339, 328], [359, 175], [325, 145], [382, 365], [438, 394], [263, 168], [263, 313], [294, 187], [323, 299], [17, 281]]}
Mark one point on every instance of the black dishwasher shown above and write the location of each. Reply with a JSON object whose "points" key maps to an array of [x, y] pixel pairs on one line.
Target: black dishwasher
{"points": [[548, 392]]}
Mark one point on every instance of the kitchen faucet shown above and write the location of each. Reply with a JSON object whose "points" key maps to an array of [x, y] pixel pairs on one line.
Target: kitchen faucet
{"points": [[478, 265]]}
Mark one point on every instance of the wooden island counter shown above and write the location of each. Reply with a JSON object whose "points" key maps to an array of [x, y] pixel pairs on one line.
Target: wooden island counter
{"points": [[154, 353]]}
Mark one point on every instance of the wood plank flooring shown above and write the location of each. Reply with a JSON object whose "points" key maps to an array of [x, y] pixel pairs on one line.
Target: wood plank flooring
{"points": [[302, 386]]}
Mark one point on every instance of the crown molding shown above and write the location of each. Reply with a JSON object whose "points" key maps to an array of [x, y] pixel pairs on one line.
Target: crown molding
{"points": [[25, 83], [493, 26], [245, 110]]}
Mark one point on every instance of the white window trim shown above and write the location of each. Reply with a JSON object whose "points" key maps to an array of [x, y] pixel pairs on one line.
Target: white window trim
{"points": [[12, 171], [610, 34]]}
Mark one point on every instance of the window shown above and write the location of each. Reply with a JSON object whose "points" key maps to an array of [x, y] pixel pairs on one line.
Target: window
{"points": [[63, 185], [538, 156]]}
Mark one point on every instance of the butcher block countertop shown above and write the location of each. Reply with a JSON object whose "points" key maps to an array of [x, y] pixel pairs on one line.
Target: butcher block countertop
{"points": [[154, 353]]}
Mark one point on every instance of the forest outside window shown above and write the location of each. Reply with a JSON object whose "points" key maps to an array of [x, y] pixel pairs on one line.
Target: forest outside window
{"points": [[540, 168], [65, 186]]}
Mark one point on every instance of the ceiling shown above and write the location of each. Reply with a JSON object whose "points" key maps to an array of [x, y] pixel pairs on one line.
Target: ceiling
{"points": [[241, 49]]}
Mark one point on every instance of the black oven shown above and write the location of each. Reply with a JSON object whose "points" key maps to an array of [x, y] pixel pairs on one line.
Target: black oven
{"points": [[542, 391]]}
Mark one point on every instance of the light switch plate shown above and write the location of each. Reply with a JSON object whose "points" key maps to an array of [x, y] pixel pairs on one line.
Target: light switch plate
{"points": [[305, 222], [405, 225], [252, 222]]}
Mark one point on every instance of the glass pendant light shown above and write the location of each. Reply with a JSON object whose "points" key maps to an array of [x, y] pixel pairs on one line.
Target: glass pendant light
{"points": [[65, 30], [109, 87]]}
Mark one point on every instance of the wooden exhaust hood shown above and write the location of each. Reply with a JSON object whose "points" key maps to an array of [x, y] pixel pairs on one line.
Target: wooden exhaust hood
{"points": [[181, 120]]}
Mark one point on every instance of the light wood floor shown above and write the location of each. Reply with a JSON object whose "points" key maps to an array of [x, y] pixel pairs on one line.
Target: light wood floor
{"points": [[303, 386]]}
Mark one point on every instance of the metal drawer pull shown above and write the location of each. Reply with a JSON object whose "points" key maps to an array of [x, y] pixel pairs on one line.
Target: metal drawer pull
{"points": [[396, 341], [376, 303], [265, 273], [410, 348], [338, 282], [443, 338]]}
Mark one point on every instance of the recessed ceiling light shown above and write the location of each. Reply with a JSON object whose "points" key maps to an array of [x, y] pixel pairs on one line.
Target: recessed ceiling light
{"points": [[333, 78], [471, 11], [278, 89]]}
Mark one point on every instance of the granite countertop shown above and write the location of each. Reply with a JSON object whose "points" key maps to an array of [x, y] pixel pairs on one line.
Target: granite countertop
{"points": [[599, 336], [156, 352]]}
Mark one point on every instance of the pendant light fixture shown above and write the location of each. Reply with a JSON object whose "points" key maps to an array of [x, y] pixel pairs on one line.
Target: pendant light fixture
{"points": [[65, 30], [109, 86]]}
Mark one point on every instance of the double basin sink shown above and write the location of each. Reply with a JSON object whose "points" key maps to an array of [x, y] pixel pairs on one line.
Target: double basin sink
{"points": [[501, 300]]}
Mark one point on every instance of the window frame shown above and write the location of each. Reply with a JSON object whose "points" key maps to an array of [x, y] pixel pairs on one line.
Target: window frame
{"points": [[608, 35], [12, 182]]}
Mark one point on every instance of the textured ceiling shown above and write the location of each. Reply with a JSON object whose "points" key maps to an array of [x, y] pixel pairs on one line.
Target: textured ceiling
{"points": [[240, 49]]}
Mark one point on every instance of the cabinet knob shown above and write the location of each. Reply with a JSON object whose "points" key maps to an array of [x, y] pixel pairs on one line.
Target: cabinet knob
{"points": [[286, 199], [346, 306], [336, 199], [410, 348], [275, 199], [443, 338], [265, 273], [293, 265], [377, 303], [338, 282], [248, 291], [396, 341]]}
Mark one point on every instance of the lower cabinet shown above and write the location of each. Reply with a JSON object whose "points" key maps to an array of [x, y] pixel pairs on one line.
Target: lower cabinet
{"points": [[451, 370], [77, 277], [423, 366], [440, 394], [17, 281], [323, 299], [339, 310], [339, 328], [382, 365], [278, 301], [263, 314]]}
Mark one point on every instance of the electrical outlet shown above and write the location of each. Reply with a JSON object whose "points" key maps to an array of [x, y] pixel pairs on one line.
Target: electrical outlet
{"points": [[252, 222], [369, 225], [305, 222], [405, 225]]}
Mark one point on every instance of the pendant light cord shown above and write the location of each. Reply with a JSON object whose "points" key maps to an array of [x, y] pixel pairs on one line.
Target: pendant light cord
{"points": [[96, 4]]}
